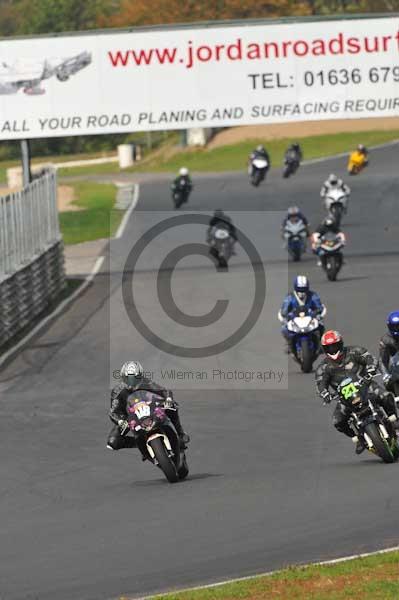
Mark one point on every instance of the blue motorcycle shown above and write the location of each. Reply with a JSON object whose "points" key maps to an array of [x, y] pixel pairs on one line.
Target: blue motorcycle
{"points": [[304, 333]]}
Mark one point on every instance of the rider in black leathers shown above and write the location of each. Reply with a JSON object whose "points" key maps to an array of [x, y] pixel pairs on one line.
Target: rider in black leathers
{"points": [[389, 346], [117, 438], [222, 220], [339, 363]]}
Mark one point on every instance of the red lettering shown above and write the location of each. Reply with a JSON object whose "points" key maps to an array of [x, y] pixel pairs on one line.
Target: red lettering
{"points": [[119, 58]]}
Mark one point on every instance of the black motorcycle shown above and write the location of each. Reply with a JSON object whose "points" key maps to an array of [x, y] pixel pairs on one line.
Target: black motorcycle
{"points": [[180, 193], [291, 164], [394, 373], [156, 435], [330, 253], [221, 246], [368, 419]]}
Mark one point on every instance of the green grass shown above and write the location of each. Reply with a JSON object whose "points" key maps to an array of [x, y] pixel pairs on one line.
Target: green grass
{"points": [[372, 578], [233, 158], [98, 220]]}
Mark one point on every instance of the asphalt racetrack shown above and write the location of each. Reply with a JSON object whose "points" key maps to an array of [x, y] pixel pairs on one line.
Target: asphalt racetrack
{"points": [[272, 483]]}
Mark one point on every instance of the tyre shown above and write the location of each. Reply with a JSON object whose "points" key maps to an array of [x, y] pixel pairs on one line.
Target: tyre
{"points": [[183, 469], [331, 268], [337, 215], [306, 357], [257, 178], [287, 172], [165, 463], [380, 445]]}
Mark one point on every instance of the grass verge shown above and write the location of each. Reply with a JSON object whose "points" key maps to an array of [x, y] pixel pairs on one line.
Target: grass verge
{"points": [[232, 158], [371, 578], [97, 220]]}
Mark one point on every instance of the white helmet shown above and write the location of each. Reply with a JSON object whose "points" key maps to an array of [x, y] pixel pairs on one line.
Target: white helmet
{"points": [[131, 373], [333, 179], [183, 171]]}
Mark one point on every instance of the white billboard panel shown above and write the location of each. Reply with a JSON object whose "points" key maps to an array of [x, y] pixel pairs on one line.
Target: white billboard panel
{"points": [[198, 77]]}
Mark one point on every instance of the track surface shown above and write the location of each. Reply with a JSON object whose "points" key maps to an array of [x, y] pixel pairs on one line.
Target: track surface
{"points": [[272, 482]]}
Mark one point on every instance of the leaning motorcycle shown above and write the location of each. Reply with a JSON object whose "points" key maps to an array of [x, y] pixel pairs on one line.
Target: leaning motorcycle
{"points": [[156, 435], [221, 246], [356, 163], [394, 373], [304, 332], [258, 170], [336, 204], [330, 253], [180, 194], [291, 165], [369, 421], [295, 235]]}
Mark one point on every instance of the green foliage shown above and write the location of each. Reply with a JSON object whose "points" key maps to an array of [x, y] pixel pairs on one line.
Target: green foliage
{"points": [[97, 220]]}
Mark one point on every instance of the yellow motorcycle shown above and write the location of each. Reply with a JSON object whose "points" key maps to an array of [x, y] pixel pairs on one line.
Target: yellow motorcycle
{"points": [[357, 162]]}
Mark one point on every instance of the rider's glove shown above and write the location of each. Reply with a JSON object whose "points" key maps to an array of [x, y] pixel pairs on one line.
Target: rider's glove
{"points": [[326, 397], [123, 425], [386, 378], [170, 403], [371, 372]]}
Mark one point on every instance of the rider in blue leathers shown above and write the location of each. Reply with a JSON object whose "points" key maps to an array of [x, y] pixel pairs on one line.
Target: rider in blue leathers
{"points": [[303, 298]]}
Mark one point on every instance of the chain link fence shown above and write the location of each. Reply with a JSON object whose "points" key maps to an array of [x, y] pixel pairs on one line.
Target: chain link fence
{"points": [[31, 255]]}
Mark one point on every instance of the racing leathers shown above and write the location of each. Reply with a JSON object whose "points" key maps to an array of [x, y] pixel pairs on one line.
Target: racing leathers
{"points": [[118, 438], [223, 222], [389, 346], [291, 304], [182, 181], [263, 154], [355, 360], [328, 186]]}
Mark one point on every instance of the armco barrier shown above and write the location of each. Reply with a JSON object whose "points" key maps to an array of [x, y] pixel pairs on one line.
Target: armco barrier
{"points": [[31, 255]]}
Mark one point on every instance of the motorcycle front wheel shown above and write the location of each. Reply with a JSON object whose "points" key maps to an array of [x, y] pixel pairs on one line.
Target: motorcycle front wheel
{"points": [[165, 463], [380, 445], [306, 357]]}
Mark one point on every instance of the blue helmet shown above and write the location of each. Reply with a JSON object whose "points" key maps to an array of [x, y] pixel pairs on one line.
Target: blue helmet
{"points": [[393, 323], [301, 287]]}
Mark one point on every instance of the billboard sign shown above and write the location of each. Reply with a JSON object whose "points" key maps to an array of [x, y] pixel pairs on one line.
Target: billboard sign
{"points": [[123, 81]]}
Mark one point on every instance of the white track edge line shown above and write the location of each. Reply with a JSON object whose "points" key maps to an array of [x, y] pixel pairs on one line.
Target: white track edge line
{"points": [[267, 574], [126, 216]]}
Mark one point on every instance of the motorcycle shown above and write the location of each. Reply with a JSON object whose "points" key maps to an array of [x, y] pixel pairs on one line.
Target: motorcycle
{"points": [[329, 250], [356, 163], [336, 204], [258, 170], [295, 235], [156, 435], [394, 373], [305, 338], [180, 193], [369, 421], [221, 246], [291, 165]]}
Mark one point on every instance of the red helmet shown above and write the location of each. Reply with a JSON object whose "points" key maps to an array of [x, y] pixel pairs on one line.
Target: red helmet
{"points": [[333, 344]]}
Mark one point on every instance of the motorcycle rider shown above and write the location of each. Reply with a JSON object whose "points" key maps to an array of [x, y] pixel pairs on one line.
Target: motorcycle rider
{"points": [[259, 152], [294, 215], [306, 299], [328, 225], [334, 183], [389, 346], [361, 152], [220, 219], [341, 361], [133, 379], [294, 150], [183, 178]]}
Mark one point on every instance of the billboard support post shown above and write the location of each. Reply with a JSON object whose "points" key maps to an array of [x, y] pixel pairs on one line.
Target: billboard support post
{"points": [[25, 155]]}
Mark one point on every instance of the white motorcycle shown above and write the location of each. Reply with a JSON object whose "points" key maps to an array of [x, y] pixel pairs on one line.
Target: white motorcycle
{"points": [[221, 246], [305, 338], [258, 169], [336, 203], [295, 235]]}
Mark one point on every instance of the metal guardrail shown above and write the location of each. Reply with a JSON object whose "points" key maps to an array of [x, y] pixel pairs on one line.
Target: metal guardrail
{"points": [[28, 223], [31, 255]]}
